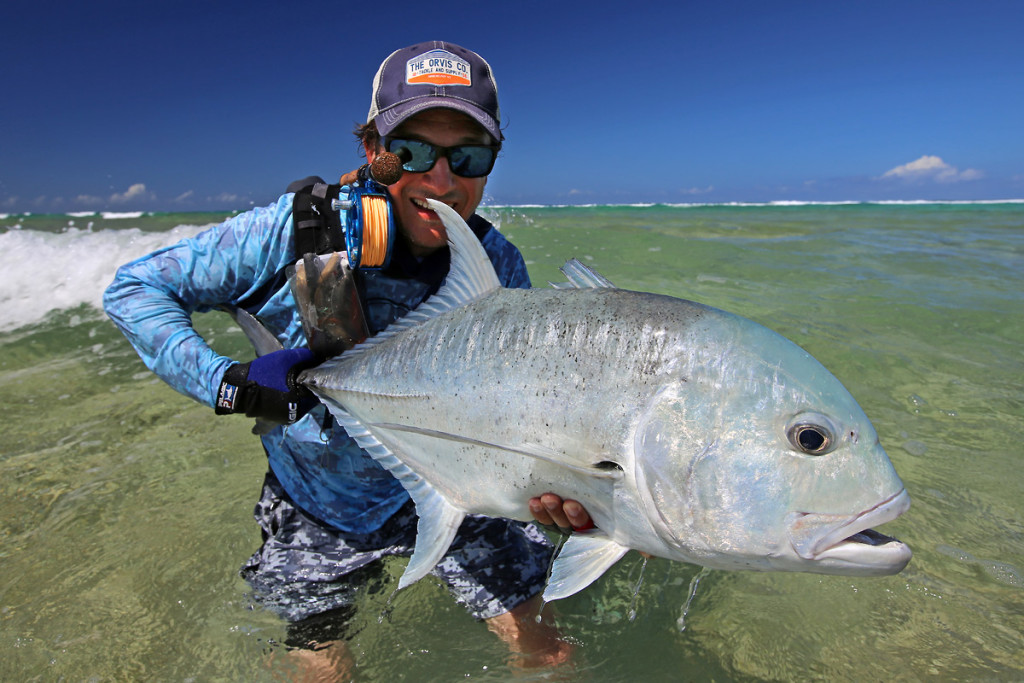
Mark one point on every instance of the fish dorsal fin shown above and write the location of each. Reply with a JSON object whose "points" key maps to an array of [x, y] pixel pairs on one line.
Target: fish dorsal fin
{"points": [[581, 277], [471, 274], [439, 520], [580, 562], [470, 277]]}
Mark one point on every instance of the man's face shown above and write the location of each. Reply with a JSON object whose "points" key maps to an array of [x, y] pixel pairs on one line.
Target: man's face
{"points": [[421, 227]]}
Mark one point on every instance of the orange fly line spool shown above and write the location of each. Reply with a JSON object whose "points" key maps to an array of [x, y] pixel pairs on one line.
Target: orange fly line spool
{"points": [[375, 230]]}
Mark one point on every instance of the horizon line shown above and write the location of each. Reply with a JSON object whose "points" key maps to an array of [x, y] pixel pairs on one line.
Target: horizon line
{"points": [[782, 203]]}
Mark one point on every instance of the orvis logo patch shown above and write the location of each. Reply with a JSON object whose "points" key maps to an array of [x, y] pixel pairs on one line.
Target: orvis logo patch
{"points": [[438, 67]]}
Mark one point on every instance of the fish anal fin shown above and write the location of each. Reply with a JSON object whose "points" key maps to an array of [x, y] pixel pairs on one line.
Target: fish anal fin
{"points": [[581, 561], [439, 520], [438, 523]]}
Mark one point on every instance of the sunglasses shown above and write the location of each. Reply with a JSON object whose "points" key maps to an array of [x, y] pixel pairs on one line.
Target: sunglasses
{"points": [[467, 161]]}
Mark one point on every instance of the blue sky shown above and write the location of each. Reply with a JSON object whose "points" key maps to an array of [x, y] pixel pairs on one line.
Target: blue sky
{"points": [[212, 105]]}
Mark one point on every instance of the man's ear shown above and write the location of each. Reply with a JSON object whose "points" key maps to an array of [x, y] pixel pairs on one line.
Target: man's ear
{"points": [[371, 153]]}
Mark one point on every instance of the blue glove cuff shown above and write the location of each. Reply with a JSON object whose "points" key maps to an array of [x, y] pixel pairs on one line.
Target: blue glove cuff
{"points": [[274, 370], [267, 387]]}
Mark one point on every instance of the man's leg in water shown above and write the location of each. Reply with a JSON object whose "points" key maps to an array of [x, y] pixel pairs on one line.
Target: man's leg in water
{"points": [[537, 642], [496, 568], [309, 573]]}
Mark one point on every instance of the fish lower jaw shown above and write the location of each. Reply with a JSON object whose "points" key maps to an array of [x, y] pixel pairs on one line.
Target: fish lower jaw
{"points": [[867, 553], [853, 547]]}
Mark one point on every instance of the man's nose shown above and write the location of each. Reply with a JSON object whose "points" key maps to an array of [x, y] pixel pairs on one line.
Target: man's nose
{"points": [[440, 177]]}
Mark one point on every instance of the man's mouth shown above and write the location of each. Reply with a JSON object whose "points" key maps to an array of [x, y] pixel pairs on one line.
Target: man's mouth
{"points": [[426, 213]]}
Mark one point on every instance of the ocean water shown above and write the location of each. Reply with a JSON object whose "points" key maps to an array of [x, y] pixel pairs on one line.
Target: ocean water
{"points": [[125, 509]]}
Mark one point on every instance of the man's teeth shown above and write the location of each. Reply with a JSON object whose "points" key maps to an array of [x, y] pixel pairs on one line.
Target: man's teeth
{"points": [[423, 204]]}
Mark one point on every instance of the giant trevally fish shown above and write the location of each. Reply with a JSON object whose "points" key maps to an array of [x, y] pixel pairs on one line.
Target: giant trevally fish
{"points": [[686, 432]]}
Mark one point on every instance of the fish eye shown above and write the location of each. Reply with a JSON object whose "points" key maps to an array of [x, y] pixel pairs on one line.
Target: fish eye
{"points": [[812, 435]]}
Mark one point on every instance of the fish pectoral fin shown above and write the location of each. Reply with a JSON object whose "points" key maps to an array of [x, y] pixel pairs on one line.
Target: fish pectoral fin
{"points": [[439, 522], [581, 561]]}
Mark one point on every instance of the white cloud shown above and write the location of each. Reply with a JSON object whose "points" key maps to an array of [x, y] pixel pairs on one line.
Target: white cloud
{"points": [[698, 190], [931, 168], [184, 196], [88, 200], [227, 198], [136, 191]]}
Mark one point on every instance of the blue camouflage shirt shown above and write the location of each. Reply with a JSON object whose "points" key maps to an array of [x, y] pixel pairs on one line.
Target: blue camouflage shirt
{"points": [[240, 263]]}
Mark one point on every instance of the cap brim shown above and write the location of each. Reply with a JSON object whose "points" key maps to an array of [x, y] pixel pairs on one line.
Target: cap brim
{"points": [[391, 118]]}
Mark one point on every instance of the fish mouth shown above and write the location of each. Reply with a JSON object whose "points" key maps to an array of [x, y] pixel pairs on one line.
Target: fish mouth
{"points": [[844, 544]]}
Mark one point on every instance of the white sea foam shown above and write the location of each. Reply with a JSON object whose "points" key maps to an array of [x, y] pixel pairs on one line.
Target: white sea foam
{"points": [[945, 202], [113, 215], [778, 203], [41, 272]]}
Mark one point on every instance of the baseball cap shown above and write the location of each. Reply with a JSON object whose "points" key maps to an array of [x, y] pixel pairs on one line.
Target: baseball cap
{"points": [[434, 74]]}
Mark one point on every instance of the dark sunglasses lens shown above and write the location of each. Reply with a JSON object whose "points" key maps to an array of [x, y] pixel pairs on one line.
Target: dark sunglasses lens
{"points": [[468, 161], [418, 156], [471, 161]]}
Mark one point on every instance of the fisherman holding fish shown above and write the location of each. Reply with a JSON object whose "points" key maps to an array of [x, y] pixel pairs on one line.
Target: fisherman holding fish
{"points": [[328, 511]]}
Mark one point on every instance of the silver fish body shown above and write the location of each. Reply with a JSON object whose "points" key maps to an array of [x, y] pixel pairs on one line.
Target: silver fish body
{"points": [[687, 432]]}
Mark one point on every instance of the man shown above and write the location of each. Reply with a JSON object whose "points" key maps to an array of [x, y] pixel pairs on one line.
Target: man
{"points": [[329, 512]]}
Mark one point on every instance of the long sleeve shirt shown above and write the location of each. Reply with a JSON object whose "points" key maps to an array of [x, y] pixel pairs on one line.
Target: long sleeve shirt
{"points": [[240, 263]]}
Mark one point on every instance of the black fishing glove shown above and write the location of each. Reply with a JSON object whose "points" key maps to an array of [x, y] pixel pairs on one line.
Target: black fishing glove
{"points": [[267, 387]]}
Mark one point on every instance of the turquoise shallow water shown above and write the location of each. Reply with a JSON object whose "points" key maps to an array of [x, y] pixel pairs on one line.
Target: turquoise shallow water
{"points": [[125, 508]]}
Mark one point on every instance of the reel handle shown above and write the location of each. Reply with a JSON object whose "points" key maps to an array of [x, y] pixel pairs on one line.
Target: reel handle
{"points": [[386, 169]]}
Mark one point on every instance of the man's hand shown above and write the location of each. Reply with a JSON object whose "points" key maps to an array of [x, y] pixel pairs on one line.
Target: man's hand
{"points": [[549, 509], [267, 387]]}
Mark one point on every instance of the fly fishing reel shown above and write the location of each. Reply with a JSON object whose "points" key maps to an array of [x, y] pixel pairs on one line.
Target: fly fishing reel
{"points": [[324, 283], [369, 216]]}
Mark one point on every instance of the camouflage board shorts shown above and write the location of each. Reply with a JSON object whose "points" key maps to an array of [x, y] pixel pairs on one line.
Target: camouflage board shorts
{"points": [[306, 568]]}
